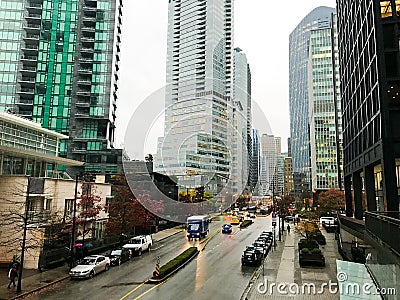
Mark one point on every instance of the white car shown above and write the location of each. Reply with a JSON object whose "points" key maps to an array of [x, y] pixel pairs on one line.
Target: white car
{"points": [[90, 266], [139, 244]]}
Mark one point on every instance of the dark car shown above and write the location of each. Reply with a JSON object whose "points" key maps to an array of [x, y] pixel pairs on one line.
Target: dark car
{"points": [[251, 256], [262, 247], [227, 228], [119, 256]]}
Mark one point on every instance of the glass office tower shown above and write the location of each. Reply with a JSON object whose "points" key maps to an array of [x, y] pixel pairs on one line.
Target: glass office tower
{"points": [[61, 61], [325, 109], [196, 144], [299, 98]]}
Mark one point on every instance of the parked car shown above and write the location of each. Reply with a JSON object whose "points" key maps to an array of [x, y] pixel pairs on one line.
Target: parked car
{"points": [[90, 266], [251, 256], [227, 228], [119, 256], [258, 245], [139, 244], [327, 220], [252, 215]]}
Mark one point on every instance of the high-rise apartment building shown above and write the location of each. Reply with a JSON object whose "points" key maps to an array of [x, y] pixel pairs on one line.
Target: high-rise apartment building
{"points": [[197, 133], [300, 72], [59, 64], [370, 85]]}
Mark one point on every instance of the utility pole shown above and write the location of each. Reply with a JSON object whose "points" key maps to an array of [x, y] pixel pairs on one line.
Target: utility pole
{"points": [[21, 266], [72, 248]]}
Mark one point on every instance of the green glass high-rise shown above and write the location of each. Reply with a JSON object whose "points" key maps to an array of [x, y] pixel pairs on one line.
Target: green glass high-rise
{"points": [[59, 67]]}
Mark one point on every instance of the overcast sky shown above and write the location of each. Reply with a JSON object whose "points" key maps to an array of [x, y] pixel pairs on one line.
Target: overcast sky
{"points": [[261, 30]]}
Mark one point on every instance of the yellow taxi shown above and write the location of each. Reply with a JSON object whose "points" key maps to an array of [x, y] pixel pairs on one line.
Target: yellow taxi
{"points": [[235, 220]]}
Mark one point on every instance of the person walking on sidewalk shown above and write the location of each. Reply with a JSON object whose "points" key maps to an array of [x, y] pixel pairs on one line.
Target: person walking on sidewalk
{"points": [[12, 274], [288, 228]]}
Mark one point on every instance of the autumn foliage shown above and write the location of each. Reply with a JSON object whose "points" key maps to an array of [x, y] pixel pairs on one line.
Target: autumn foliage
{"points": [[125, 211], [331, 200]]}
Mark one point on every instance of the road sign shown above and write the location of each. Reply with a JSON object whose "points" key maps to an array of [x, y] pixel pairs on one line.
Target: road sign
{"points": [[274, 223]]}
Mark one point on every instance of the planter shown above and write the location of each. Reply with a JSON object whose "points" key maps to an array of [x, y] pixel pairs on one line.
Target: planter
{"points": [[311, 259], [310, 244]]}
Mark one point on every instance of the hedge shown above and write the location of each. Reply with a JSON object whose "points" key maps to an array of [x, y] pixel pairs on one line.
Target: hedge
{"points": [[173, 264], [246, 223]]}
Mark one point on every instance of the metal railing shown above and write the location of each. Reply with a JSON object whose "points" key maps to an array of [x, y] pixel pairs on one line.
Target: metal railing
{"points": [[384, 226]]}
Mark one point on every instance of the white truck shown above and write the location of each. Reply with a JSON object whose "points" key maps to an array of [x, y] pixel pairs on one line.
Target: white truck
{"points": [[139, 244]]}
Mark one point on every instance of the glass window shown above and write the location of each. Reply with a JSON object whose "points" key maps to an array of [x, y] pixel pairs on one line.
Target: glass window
{"points": [[386, 9]]}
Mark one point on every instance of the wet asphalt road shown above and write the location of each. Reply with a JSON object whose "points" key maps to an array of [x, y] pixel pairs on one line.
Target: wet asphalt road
{"points": [[216, 273]]}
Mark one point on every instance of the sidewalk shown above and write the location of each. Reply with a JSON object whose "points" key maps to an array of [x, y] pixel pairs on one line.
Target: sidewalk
{"points": [[282, 266], [33, 280]]}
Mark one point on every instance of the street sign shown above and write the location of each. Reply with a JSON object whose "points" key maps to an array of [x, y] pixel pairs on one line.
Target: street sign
{"points": [[274, 223]]}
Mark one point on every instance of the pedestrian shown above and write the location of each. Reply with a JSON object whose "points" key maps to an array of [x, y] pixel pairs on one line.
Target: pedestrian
{"points": [[288, 228], [12, 274]]}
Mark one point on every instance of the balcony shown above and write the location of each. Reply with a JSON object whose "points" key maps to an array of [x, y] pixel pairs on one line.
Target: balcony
{"points": [[82, 104], [87, 50], [24, 102], [27, 91], [86, 60], [25, 113], [84, 82], [87, 40], [89, 8], [89, 20], [34, 17], [31, 39], [83, 93], [30, 48], [27, 81], [28, 70], [32, 28], [34, 7], [85, 71], [88, 29]]}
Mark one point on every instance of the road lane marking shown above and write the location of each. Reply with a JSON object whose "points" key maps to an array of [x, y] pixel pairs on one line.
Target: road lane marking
{"points": [[126, 295], [144, 293]]}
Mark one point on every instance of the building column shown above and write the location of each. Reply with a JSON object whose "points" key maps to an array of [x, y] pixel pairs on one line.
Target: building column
{"points": [[389, 177], [348, 196], [369, 182], [357, 189]]}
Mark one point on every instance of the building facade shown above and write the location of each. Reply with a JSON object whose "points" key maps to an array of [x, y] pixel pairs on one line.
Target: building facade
{"points": [[299, 98], [30, 177], [59, 68], [242, 122], [370, 80], [270, 150], [197, 135], [288, 185], [255, 161], [325, 113]]}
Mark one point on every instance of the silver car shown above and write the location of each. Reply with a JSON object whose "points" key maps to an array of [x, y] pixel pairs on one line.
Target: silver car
{"points": [[90, 266]]}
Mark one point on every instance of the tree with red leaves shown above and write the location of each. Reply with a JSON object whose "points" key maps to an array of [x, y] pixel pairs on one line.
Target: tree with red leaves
{"points": [[88, 208], [125, 211], [331, 200]]}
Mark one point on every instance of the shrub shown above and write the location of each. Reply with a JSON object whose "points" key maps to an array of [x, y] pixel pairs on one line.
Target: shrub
{"points": [[315, 251], [246, 223], [173, 264], [55, 263], [305, 251]]}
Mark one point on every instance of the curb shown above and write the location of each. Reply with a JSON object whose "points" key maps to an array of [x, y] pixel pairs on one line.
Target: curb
{"points": [[156, 281], [39, 288], [159, 240]]}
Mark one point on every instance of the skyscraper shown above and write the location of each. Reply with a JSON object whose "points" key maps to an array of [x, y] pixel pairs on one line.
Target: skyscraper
{"points": [[370, 87], [325, 113], [299, 97], [270, 149], [59, 66], [255, 161], [242, 119], [196, 143]]}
